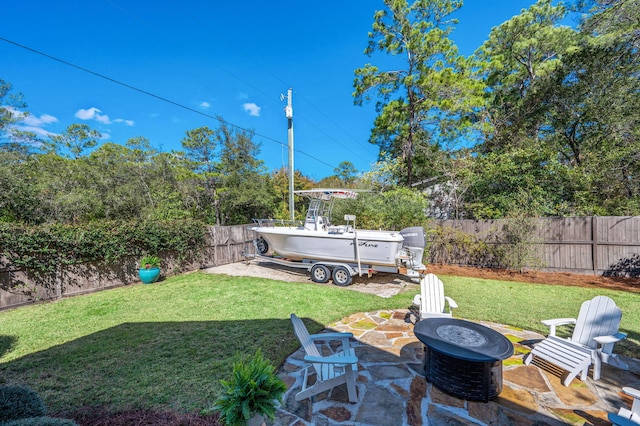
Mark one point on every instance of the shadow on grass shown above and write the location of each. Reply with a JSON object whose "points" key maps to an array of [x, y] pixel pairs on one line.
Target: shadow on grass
{"points": [[166, 366], [7, 343], [156, 370], [629, 346]]}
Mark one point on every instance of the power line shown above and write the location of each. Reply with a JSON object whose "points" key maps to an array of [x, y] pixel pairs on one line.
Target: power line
{"points": [[161, 98], [316, 158], [222, 37], [327, 135], [333, 122], [268, 71], [128, 86], [204, 24]]}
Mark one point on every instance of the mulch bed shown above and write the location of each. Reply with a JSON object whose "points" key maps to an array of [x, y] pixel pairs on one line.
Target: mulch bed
{"points": [[100, 416], [557, 278]]}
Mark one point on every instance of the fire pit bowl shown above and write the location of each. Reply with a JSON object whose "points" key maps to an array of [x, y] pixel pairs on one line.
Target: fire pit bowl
{"points": [[463, 358]]}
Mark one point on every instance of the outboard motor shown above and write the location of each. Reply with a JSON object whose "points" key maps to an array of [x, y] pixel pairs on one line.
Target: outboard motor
{"points": [[415, 241]]}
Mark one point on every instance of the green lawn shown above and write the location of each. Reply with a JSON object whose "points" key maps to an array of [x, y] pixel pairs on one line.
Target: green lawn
{"points": [[524, 305], [165, 346]]}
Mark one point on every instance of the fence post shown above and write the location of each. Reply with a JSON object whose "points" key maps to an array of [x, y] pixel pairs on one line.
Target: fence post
{"points": [[230, 257], [594, 243], [58, 281]]}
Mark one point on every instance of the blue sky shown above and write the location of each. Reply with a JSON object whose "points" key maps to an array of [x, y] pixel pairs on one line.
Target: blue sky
{"points": [[231, 59]]}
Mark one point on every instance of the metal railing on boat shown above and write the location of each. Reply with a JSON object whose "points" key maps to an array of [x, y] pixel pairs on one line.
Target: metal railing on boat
{"points": [[277, 222]]}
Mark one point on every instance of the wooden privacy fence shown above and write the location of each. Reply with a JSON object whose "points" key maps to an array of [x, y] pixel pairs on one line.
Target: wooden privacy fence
{"points": [[601, 245], [595, 245], [224, 244]]}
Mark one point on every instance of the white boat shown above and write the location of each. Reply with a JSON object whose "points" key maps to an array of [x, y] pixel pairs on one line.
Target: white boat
{"points": [[329, 250]]}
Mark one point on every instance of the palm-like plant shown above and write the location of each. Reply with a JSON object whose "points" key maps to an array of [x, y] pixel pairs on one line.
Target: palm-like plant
{"points": [[148, 262], [254, 388]]}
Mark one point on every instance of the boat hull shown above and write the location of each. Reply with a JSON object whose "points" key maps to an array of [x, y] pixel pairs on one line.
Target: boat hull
{"points": [[374, 247]]}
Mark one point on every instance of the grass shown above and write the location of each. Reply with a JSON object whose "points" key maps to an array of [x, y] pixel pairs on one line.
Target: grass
{"points": [[166, 346], [525, 305], [161, 346]]}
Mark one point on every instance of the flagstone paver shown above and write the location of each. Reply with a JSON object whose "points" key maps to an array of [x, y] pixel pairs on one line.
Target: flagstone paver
{"points": [[392, 389]]}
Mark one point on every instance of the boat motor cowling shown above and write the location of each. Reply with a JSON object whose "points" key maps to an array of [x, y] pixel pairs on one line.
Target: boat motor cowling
{"points": [[415, 240], [414, 237]]}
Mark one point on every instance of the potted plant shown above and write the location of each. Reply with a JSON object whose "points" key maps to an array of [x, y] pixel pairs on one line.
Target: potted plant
{"points": [[252, 393], [149, 271]]}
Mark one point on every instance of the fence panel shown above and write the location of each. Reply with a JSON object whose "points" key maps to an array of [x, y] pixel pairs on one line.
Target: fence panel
{"points": [[618, 248], [566, 243], [595, 245]]}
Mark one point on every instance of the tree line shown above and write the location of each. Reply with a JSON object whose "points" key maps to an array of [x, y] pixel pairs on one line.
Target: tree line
{"points": [[543, 117], [542, 120]]}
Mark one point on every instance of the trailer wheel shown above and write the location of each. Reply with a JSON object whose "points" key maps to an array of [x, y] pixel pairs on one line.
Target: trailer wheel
{"points": [[320, 274], [341, 276], [262, 246]]}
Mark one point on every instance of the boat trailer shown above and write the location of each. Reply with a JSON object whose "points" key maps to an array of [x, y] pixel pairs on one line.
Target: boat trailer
{"points": [[339, 272]]}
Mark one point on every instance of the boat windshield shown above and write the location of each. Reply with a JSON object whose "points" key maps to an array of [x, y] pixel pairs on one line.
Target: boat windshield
{"points": [[319, 214], [320, 206]]}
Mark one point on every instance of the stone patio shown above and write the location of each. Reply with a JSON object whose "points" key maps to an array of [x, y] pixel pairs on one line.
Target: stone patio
{"points": [[392, 389]]}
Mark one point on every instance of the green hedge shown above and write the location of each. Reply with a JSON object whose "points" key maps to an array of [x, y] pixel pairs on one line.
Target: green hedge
{"points": [[17, 402], [22, 406], [44, 248]]}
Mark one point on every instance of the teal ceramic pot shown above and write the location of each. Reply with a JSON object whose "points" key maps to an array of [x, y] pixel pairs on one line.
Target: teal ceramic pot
{"points": [[150, 275]]}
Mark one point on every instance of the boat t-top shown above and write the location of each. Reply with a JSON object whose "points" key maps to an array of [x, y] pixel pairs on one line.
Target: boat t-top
{"points": [[338, 251]]}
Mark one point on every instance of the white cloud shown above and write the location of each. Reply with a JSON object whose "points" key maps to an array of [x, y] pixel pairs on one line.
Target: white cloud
{"points": [[205, 104], [15, 112], [93, 113], [37, 130], [104, 119], [44, 119], [130, 123], [96, 114], [87, 114], [31, 123], [252, 109]]}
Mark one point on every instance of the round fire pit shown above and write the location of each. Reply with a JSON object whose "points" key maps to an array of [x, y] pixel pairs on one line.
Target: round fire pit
{"points": [[463, 358]]}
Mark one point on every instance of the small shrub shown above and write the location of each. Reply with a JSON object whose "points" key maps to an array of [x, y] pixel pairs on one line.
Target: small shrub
{"points": [[149, 262], [18, 402], [41, 421], [254, 388], [452, 246], [520, 248]]}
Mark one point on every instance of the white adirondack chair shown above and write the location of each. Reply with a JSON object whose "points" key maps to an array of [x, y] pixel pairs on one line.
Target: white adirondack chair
{"points": [[332, 370], [592, 341], [431, 301], [626, 417]]}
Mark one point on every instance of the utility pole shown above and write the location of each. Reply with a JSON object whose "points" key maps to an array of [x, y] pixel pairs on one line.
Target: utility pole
{"points": [[288, 111]]}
